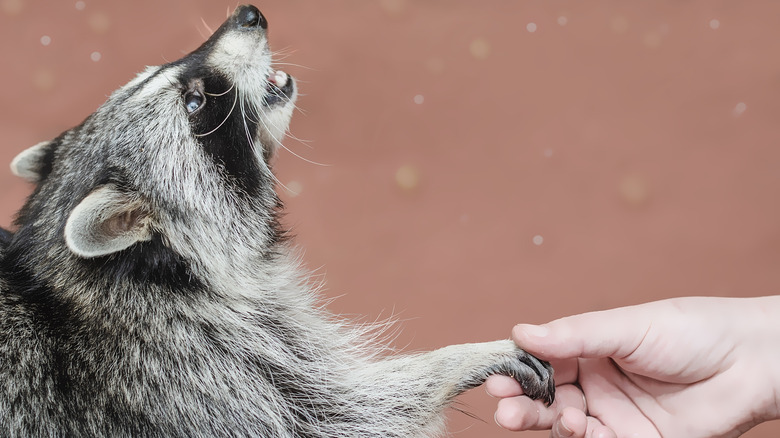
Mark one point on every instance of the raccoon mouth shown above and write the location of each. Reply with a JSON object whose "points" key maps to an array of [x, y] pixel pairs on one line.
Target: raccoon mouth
{"points": [[279, 90]]}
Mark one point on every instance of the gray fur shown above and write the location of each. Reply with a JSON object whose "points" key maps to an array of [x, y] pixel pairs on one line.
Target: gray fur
{"points": [[25, 165], [148, 289]]}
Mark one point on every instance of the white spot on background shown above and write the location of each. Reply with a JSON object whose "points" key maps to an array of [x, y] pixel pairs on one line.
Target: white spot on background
{"points": [[530, 27], [538, 240], [12, 7], [739, 109], [394, 7], [407, 177], [480, 48], [563, 20], [419, 99], [95, 56], [294, 188], [45, 40], [634, 190], [80, 6], [714, 24]]}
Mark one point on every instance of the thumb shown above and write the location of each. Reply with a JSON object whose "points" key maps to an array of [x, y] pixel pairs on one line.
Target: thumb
{"points": [[611, 333]]}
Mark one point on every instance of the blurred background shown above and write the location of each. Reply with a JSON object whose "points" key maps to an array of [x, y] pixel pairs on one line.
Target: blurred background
{"points": [[465, 166]]}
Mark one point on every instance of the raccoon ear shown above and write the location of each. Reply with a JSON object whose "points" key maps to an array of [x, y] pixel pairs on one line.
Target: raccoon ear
{"points": [[106, 221], [27, 164]]}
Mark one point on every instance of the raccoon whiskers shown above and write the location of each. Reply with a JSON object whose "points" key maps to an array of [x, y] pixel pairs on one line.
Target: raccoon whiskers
{"points": [[304, 142], [232, 108], [303, 158], [282, 53], [292, 64], [279, 58], [258, 115], [223, 93], [252, 142]]}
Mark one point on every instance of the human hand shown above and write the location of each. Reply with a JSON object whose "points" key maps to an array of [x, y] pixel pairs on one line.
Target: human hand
{"points": [[685, 367]]}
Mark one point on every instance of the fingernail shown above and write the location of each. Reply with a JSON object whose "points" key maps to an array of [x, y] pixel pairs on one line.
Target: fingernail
{"points": [[566, 431], [537, 331], [488, 392], [495, 418], [561, 430]]}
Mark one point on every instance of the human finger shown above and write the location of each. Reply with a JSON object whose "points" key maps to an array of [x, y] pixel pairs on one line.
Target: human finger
{"points": [[596, 429], [503, 386], [522, 413], [572, 423], [589, 335]]}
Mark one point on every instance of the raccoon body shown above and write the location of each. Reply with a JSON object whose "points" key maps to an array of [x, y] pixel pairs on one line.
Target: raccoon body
{"points": [[148, 288]]}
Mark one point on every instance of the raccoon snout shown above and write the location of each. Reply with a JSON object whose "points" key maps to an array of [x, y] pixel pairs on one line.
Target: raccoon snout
{"points": [[249, 17]]}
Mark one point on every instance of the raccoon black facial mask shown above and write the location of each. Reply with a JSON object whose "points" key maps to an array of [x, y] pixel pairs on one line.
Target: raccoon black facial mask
{"points": [[150, 290]]}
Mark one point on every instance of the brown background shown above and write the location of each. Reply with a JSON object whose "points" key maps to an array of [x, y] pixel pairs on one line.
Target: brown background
{"points": [[480, 163]]}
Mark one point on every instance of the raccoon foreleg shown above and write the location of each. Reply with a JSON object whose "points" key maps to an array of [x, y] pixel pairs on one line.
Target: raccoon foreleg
{"points": [[416, 388], [465, 366]]}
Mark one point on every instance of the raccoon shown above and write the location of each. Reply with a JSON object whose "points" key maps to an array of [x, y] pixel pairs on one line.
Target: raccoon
{"points": [[149, 289]]}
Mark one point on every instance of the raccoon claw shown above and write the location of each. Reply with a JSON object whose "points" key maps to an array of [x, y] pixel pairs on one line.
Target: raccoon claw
{"points": [[534, 375]]}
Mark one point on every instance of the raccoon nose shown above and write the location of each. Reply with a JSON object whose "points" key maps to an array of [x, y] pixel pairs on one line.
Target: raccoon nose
{"points": [[250, 17]]}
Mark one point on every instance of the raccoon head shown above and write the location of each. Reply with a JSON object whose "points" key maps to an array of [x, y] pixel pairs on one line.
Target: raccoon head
{"points": [[177, 161]]}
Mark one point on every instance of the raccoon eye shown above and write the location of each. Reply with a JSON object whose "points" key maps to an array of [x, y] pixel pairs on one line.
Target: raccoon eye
{"points": [[193, 101]]}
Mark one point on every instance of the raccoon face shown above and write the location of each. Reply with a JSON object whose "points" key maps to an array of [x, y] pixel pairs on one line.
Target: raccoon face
{"points": [[177, 155]]}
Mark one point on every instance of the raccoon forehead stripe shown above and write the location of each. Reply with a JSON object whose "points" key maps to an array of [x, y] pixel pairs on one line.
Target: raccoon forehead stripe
{"points": [[159, 79], [141, 77]]}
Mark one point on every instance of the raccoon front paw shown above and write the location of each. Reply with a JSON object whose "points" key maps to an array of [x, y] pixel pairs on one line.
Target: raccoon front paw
{"points": [[534, 375]]}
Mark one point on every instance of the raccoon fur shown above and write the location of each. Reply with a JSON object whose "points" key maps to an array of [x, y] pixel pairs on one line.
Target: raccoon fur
{"points": [[148, 289]]}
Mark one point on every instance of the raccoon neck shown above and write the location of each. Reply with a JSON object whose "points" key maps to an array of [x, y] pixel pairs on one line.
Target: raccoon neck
{"points": [[136, 305], [149, 277]]}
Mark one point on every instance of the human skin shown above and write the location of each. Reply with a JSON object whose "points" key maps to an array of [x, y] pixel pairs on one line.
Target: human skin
{"points": [[684, 367]]}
